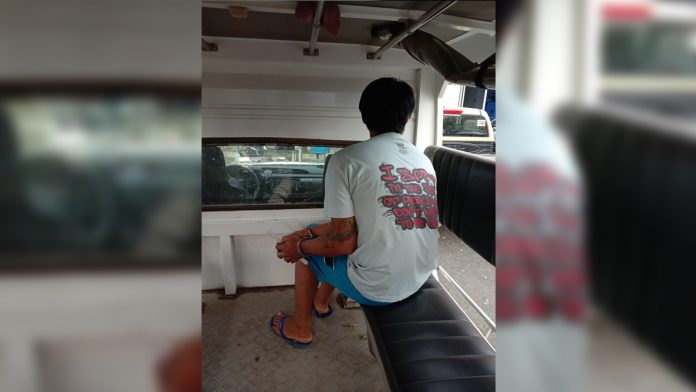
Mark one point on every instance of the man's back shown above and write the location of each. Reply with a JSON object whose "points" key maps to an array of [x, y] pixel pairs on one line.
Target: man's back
{"points": [[390, 188]]}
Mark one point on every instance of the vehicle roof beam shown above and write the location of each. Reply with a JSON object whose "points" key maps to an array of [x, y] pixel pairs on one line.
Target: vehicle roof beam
{"points": [[365, 12], [415, 26]]}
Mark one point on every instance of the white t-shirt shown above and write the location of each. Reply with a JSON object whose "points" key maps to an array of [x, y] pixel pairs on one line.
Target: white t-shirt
{"points": [[543, 354], [390, 188]]}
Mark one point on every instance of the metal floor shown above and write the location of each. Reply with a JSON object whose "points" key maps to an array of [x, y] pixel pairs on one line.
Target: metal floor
{"points": [[240, 353]]}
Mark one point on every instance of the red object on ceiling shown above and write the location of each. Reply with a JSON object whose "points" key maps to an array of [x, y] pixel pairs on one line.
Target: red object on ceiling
{"points": [[330, 15], [304, 10], [635, 12]]}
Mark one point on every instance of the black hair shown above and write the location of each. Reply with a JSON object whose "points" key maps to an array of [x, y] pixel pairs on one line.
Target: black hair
{"points": [[386, 105]]}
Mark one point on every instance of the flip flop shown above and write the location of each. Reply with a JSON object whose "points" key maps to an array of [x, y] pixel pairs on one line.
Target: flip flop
{"points": [[325, 314], [294, 343]]}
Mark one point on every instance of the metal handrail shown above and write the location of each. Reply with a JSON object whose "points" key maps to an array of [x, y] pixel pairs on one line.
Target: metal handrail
{"points": [[420, 22], [471, 301], [312, 50]]}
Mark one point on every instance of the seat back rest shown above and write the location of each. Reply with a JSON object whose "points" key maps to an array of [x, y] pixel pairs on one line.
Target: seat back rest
{"points": [[466, 197], [640, 188], [318, 197], [216, 186]]}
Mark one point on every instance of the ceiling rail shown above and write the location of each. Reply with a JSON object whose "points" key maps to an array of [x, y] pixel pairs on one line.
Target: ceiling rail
{"points": [[312, 50], [415, 26], [364, 12]]}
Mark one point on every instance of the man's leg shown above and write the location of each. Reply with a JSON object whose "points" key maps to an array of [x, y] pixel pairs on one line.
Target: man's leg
{"points": [[323, 297], [299, 327]]}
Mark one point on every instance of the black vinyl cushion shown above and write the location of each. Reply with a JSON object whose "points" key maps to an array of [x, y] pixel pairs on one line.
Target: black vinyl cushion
{"points": [[466, 197], [318, 197], [640, 182], [425, 342]]}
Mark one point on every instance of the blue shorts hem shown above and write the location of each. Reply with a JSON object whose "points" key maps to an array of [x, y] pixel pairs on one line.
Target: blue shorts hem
{"points": [[337, 276]]}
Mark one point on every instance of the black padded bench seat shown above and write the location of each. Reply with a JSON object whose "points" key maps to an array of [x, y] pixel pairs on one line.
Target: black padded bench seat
{"points": [[640, 192], [425, 343]]}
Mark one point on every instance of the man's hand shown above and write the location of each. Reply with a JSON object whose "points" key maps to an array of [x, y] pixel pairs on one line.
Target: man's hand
{"points": [[335, 238], [286, 249], [303, 233], [340, 237], [299, 234]]}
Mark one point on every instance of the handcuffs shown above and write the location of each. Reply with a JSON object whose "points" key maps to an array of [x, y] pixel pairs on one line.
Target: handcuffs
{"points": [[299, 243]]}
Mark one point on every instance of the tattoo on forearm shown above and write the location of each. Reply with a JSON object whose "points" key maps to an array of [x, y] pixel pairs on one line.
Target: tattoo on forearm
{"points": [[341, 231]]}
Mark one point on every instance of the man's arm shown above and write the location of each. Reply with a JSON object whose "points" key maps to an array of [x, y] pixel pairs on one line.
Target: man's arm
{"points": [[316, 231], [341, 238]]}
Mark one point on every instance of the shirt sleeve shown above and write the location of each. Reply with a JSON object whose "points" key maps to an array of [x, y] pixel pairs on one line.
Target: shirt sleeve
{"points": [[338, 202]]}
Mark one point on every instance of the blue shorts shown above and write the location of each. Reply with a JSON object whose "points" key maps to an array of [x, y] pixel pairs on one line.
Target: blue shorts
{"points": [[335, 273]]}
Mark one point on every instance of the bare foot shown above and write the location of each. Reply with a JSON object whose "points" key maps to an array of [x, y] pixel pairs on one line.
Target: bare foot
{"points": [[292, 330]]}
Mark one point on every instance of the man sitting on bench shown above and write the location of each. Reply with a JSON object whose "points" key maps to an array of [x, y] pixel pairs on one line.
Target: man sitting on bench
{"points": [[381, 243]]}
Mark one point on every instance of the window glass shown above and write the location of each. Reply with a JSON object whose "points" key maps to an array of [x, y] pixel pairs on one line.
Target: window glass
{"points": [[239, 175], [464, 125], [653, 49], [106, 178]]}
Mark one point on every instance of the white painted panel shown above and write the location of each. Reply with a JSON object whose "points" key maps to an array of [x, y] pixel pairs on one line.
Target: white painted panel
{"points": [[313, 129], [19, 366], [89, 365], [272, 106], [427, 105], [126, 315], [249, 237], [261, 267], [269, 89], [229, 264], [294, 70], [268, 222], [100, 40], [211, 264], [552, 80]]}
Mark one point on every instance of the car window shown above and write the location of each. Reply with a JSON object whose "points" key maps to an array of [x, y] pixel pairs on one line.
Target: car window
{"points": [[649, 49], [464, 125], [239, 175], [103, 177]]}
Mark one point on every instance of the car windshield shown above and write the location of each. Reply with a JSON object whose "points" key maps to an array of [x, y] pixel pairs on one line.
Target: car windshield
{"points": [[464, 125]]}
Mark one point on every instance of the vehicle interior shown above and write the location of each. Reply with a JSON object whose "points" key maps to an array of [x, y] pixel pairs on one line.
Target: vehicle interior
{"points": [[280, 95], [102, 168], [252, 70]]}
